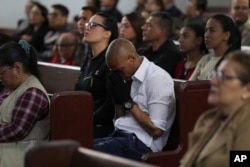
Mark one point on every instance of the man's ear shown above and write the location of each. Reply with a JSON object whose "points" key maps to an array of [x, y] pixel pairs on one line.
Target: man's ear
{"points": [[131, 56]]}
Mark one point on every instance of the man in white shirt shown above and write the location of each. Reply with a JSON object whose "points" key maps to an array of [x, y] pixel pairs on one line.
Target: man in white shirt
{"points": [[144, 114]]}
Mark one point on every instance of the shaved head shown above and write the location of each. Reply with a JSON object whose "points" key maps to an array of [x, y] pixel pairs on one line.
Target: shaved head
{"points": [[119, 49]]}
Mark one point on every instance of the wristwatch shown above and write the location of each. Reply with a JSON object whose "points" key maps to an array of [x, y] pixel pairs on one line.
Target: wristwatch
{"points": [[129, 104]]}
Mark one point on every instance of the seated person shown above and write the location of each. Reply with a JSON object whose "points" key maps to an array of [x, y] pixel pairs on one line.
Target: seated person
{"points": [[221, 37], [38, 27], [144, 114], [191, 43], [66, 49], [24, 103], [227, 126]]}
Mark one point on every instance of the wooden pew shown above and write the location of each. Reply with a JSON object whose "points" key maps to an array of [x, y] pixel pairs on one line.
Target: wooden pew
{"points": [[71, 117], [191, 99], [69, 154], [56, 77]]}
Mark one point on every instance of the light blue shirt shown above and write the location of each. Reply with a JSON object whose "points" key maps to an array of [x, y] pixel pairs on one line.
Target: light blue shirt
{"points": [[153, 91]]}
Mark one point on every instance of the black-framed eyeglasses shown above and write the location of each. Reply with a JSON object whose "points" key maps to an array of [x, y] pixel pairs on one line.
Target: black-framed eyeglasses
{"points": [[93, 25], [222, 77]]}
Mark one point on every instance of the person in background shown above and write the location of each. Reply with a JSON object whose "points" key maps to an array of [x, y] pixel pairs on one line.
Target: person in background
{"points": [[84, 15], [240, 14], [58, 23], [37, 28], [226, 127], [110, 7], [152, 6], [66, 49], [222, 36], [172, 9], [144, 112], [191, 43], [193, 15], [24, 22], [24, 103], [130, 29], [139, 6], [100, 31], [94, 3], [163, 52]]}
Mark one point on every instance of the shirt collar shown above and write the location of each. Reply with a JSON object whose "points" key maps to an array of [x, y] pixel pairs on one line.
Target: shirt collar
{"points": [[142, 70]]}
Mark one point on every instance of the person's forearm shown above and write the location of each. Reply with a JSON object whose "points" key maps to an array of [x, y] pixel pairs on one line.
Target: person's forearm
{"points": [[144, 120]]}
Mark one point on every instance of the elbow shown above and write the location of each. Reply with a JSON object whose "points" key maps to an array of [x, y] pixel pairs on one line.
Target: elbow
{"points": [[157, 133]]}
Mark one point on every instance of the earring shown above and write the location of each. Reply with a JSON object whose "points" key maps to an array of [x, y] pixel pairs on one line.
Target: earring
{"points": [[17, 76]]}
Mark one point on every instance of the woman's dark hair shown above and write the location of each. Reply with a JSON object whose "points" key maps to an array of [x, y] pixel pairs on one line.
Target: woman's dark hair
{"points": [[12, 52], [199, 32], [4, 38], [137, 21], [110, 24], [44, 12], [228, 24], [243, 59]]}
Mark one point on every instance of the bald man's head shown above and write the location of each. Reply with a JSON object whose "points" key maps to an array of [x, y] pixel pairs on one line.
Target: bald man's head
{"points": [[119, 49]]}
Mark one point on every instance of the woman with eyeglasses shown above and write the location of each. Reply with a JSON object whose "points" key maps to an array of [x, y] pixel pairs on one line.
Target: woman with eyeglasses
{"points": [[24, 103], [221, 37], [226, 127], [100, 31]]}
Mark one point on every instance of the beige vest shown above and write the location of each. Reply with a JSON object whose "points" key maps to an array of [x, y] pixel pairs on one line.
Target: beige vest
{"points": [[12, 153]]}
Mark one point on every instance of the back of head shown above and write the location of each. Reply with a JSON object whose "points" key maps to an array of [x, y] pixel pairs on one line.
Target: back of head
{"points": [[21, 52], [110, 24], [165, 21]]}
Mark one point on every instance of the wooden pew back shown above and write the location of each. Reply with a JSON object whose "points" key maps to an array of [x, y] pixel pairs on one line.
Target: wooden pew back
{"points": [[68, 153], [56, 77], [191, 99], [71, 116]]}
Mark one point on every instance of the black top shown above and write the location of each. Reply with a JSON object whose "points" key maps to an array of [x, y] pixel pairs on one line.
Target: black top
{"points": [[93, 78], [167, 56]]}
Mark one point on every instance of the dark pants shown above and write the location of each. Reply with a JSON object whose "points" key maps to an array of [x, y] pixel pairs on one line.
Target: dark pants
{"points": [[122, 144]]}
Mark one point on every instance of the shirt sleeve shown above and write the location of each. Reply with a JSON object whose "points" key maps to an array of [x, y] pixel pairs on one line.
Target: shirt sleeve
{"points": [[32, 106], [161, 102]]}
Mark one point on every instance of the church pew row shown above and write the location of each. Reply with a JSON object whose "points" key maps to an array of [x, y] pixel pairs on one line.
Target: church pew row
{"points": [[68, 153], [191, 102]]}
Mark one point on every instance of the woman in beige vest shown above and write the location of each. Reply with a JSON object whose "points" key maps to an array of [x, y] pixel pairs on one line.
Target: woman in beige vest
{"points": [[227, 126], [24, 104]]}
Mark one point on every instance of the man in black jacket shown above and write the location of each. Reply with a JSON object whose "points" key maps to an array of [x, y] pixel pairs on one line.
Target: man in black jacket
{"points": [[163, 52]]}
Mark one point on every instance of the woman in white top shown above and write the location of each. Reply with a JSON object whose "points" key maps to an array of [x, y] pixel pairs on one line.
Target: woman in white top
{"points": [[221, 36]]}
